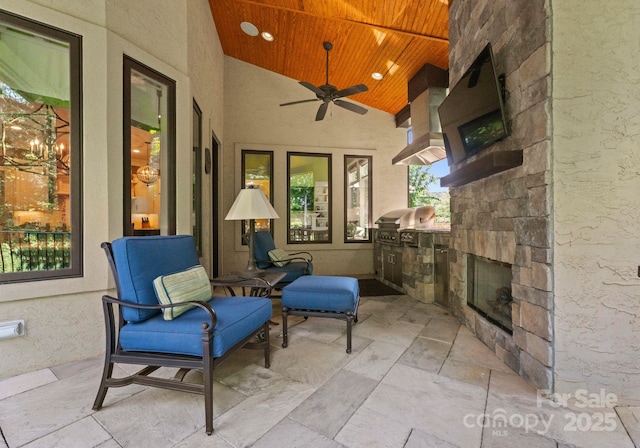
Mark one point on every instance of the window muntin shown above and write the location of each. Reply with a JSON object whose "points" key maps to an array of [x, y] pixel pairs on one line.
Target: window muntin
{"points": [[149, 151], [358, 199], [40, 151], [257, 169], [309, 198]]}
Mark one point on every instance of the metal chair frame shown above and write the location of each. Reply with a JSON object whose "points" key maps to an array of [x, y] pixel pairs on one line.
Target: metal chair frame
{"points": [[114, 353]]}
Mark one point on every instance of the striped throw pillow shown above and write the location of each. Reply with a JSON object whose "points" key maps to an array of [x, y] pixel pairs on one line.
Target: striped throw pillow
{"points": [[185, 286], [280, 257]]}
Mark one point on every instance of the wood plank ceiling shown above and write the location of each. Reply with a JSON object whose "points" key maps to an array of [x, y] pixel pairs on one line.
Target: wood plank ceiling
{"points": [[392, 37]]}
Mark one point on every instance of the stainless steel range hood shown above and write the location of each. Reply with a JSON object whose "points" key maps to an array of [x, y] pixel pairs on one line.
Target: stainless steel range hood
{"points": [[427, 146], [425, 150]]}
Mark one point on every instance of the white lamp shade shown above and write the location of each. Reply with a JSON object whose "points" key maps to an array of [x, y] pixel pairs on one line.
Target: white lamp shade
{"points": [[251, 203]]}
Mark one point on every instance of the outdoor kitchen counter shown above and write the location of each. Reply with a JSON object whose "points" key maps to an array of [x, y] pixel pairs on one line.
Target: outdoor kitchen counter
{"points": [[417, 264]]}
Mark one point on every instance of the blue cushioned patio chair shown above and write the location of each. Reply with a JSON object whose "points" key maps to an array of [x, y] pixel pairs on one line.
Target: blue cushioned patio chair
{"points": [[296, 265], [199, 338]]}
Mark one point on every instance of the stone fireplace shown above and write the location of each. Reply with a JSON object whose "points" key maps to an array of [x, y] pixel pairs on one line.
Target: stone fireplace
{"points": [[504, 219]]}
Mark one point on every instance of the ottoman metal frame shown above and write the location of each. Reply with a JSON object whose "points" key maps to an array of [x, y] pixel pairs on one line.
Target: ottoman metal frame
{"points": [[349, 316]]}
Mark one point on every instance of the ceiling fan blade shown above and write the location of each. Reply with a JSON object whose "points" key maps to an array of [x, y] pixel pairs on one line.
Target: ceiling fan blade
{"points": [[299, 102], [313, 88], [328, 93], [350, 106], [322, 110], [351, 91]]}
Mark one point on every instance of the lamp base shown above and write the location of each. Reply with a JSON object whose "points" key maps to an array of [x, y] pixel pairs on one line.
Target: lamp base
{"points": [[253, 270]]}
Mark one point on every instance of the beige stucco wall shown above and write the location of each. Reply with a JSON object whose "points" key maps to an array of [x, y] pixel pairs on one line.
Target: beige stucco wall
{"points": [[206, 74], [63, 317], [596, 170], [254, 120]]}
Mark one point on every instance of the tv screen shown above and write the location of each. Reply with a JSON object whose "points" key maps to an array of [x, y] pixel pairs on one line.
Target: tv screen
{"points": [[472, 115]]}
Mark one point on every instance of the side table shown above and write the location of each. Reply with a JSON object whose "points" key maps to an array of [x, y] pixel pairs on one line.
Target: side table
{"points": [[259, 286]]}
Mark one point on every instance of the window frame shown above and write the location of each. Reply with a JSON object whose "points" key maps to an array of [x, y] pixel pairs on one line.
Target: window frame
{"points": [[197, 176], [328, 157], [244, 224], [347, 198], [128, 65], [74, 41]]}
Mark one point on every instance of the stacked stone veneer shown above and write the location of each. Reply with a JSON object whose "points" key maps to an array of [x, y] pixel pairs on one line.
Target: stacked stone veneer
{"points": [[418, 265], [506, 216]]}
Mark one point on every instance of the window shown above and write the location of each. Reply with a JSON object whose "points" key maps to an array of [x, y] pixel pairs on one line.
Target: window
{"points": [[196, 206], [40, 151], [309, 198], [357, 201], [257, 169], [425, 189], [149, 151]]}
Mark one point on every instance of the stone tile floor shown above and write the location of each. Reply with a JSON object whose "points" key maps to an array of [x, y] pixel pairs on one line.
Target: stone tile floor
{"points": [[416, 378]]}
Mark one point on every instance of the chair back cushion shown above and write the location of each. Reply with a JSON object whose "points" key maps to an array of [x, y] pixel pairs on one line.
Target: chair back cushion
{"points": [[262, 244], [184, 286], [141, 259]]}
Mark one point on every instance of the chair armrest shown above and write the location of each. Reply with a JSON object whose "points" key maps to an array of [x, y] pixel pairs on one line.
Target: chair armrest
{"points": [[308, 257], [289, 260], [285, 260], [204, 305], [272, 264]]}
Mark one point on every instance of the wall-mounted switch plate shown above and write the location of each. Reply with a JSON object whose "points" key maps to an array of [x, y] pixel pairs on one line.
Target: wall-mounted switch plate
{"points": [[11, 329]]}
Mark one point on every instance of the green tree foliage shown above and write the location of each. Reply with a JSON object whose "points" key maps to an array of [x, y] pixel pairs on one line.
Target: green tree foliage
{"points": [[301, 192], [420, 177]]}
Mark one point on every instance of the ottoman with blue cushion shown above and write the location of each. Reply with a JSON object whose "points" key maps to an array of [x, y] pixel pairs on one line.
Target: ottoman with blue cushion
{"points": [[321, 296]]}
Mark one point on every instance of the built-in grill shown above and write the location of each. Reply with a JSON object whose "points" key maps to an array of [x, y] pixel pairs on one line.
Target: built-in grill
{"points": [[399, 226]]}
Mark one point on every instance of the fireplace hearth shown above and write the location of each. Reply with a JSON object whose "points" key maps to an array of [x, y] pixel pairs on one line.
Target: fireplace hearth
{"points": [[489, 290]]}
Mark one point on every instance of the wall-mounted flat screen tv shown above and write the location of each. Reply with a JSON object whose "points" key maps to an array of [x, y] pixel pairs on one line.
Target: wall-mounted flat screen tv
{"points": [[472, 115]]}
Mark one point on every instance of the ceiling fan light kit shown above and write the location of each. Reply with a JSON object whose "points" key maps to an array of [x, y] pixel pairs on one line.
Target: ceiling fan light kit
{"points": [[330, 94]]}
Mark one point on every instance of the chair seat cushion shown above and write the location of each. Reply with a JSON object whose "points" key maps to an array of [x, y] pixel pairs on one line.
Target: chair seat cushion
{"points": [[237, 317], [322, 293]]}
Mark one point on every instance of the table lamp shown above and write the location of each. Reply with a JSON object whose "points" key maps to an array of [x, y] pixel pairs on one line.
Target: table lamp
{"points": [[251, 204]]}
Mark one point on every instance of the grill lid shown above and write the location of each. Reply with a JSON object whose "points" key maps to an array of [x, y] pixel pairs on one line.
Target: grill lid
{"points": [[393, 217], [408, 218]]}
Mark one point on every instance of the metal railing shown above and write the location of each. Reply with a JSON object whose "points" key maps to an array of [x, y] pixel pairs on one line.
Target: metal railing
{"points": [[34, 250]]}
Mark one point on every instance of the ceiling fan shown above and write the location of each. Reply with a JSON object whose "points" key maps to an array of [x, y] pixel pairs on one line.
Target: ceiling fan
{"points": [[330, 94]]}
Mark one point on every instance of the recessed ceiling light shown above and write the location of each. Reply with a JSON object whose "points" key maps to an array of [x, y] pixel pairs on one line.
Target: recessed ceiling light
{"points": [[267, 36], [377, 76], [249, 28]]}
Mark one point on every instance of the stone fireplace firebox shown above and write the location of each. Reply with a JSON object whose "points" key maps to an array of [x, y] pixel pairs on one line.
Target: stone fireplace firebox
{"points": [[489, 290]]}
